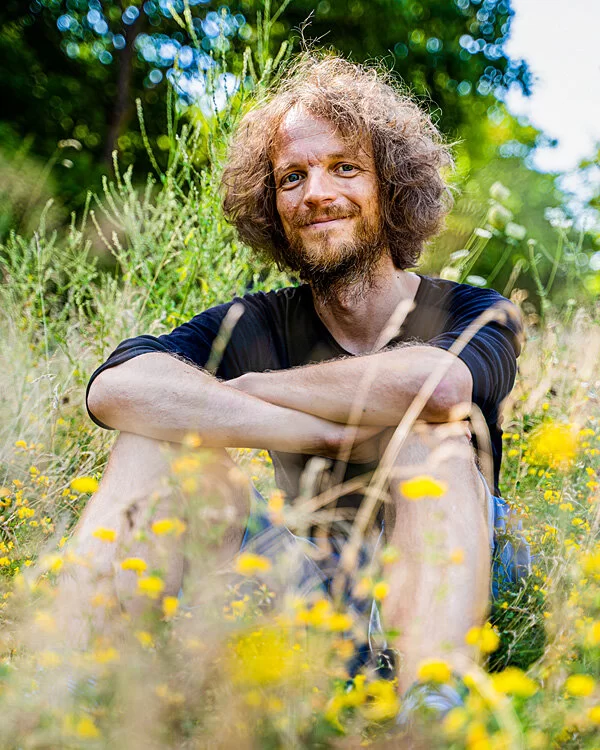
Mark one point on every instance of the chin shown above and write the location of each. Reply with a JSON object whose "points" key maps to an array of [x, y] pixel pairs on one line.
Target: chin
{"points": [[325, 258]]}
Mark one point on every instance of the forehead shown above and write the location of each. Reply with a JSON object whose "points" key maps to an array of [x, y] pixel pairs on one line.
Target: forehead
{"points": [[302, 135]]}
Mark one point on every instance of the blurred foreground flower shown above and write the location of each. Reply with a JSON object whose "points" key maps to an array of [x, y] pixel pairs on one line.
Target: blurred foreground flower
{"points": [[168, 526], [83, 727], [514, 681], [422, 486], [170, 605], [105, 535], [381, 590], [553, 445], [134, 563], [84, 485], [151, 586], [381, 701], [248, 564], [434, 670], [580, 685], [486, 638], [264, 657]]}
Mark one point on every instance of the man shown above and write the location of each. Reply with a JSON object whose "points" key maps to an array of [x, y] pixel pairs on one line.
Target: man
{"points": [[335, 177]]}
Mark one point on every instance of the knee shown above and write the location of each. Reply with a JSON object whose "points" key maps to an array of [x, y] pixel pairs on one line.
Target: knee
{"points": [[435, 444]]}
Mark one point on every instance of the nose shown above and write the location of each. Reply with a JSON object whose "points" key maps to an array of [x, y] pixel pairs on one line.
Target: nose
{"points": [[319, 188]]}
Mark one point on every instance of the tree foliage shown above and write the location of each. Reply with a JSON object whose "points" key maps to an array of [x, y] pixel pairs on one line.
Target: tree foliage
{"points": [[74, 68]]}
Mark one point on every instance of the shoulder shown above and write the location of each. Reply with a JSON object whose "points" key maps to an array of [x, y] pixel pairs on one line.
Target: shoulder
{"points": [[467, 301]]}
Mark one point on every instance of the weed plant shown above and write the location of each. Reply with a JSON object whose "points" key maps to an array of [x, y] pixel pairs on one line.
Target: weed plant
{"points": [[248, 664]]}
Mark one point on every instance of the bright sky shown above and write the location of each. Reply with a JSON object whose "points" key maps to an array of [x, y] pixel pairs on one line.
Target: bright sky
{"points": [[560, 41]]}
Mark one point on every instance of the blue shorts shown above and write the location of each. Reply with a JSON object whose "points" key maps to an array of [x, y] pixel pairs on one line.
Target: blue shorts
{"points": [[304, 572]]}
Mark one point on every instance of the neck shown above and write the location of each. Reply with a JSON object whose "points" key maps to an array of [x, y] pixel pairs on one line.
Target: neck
{"points": [[357, 317]]}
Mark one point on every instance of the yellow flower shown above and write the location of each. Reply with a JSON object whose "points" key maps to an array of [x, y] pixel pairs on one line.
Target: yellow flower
{"points": [[192, 439], [455, 720], [168, 526], [84, 485], [457, 556], [434, 670], [275, 506], [54, 562], [381, 590], [591, 563], [134, 563], [593, 635], [332, 711], [86, 729], [339, 622], [478, 737], [21, 444], [422, 486], [105, 535], [594, 714], [263, 657], [381, 701], [318, 615], [486, 638], [169, 606], [150, 586], [515, 682], [248, 564], [553, 444], [145, 638], [105, 655], [580, 685], [186, 464], [390, 555]]}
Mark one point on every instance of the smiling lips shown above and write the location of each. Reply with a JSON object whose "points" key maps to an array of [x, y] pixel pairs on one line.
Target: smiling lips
{"points": [[325, 220]]}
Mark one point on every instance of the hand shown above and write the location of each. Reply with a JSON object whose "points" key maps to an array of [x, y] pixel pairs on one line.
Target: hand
{"points": [[362, 445]]}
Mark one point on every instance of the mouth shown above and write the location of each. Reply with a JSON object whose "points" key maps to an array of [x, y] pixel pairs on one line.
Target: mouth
{"points": [[319, 223]]}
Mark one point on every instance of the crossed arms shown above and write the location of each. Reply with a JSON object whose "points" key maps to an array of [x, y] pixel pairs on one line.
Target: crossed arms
{"points": [[302, 410]]}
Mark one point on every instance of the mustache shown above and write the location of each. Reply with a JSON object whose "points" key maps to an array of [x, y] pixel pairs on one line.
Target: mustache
{"points": [[335, 212]]}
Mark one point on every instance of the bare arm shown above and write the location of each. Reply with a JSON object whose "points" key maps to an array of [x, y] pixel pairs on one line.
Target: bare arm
{"points": [[162, 397], [329, 390]]}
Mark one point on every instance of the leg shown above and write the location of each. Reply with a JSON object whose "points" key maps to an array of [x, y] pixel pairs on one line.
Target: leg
{"points": [[134, 492], [440, 587]]}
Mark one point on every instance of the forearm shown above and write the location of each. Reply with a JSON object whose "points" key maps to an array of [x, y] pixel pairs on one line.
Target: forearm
{"points": [[375, 389], [159, 396]]}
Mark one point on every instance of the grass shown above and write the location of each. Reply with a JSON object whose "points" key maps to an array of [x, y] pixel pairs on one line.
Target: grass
{"points": [[248, 666]]}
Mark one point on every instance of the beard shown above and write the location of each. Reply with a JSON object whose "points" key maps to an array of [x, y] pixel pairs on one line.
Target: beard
{"points": [[337, 268]]}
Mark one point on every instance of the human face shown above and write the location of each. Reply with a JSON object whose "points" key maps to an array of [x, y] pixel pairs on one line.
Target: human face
{"points": [[327, 199]]}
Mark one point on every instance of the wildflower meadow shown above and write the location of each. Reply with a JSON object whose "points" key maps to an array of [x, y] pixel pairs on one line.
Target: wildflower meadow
{"points": [[234, 660]]}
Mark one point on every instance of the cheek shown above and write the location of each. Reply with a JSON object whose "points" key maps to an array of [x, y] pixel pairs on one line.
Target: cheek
{"points": [[373, 201], [285, 208]]}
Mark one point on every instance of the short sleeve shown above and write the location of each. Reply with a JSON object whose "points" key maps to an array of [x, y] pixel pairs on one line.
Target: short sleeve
{"points": [[191, 341], [491, 352], [252, 343]]}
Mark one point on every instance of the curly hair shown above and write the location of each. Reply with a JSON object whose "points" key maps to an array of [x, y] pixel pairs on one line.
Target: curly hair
{"points": [[363, 103]]}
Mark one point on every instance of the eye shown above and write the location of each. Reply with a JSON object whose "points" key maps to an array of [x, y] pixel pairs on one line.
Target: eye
{"points": [[346, 168], [291, 178]]}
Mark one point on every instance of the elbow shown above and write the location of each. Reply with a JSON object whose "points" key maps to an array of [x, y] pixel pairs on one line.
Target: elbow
{"points": [[101, 399], [452, 398]]}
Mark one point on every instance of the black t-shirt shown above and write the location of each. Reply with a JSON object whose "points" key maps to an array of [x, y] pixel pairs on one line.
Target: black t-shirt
{"points": [[281, 329]]}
